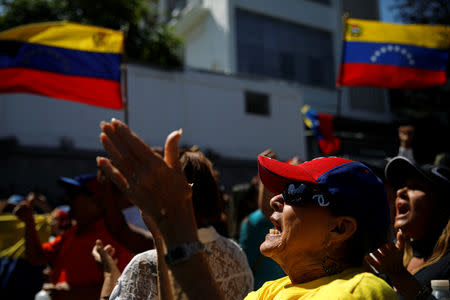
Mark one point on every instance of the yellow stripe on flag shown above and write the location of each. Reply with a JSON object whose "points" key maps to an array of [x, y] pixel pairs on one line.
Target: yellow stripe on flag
{"points": [[431, 36], [68, 35]]}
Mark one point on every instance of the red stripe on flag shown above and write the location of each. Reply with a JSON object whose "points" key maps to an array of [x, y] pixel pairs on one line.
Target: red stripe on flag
{"points": [[89, 90], [385, 76]]}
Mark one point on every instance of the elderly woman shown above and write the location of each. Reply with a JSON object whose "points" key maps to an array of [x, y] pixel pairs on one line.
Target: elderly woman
{"points": [[421, 253], [327, 213]]}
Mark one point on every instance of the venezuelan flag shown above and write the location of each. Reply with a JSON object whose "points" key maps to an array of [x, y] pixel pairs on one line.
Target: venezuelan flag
{"points": [[63, 60], [322, 126], [394, 55]]}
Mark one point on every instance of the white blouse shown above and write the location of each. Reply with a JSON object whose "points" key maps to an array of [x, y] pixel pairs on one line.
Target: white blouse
{"points": [[226, 259]]}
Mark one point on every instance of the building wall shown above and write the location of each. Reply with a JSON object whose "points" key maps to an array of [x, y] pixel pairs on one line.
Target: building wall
{"points": [[211, 110], [209, 107], [211, 44], [42, 121], [204, 27], [210, 40]]}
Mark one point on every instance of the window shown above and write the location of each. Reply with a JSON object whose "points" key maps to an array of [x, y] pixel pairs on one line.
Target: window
{"points": [[257, 103], [287, 66], [274, 48]]}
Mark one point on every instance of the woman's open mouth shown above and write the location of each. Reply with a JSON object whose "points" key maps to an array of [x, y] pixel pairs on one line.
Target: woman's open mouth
{"points": [[275, 231], [402, 209]]}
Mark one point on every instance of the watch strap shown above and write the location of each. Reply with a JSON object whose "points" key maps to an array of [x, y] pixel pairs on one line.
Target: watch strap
{"points": [[183, 252]]}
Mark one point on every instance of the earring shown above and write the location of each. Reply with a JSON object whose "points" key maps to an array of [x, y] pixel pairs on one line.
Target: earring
{"points": [[330, 265]]}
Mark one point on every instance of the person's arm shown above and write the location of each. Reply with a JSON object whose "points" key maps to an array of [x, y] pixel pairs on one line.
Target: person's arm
{"points": [[405, 136], [165, 290], [158, 187], [33, 248], [104, 257], [133, 238]]}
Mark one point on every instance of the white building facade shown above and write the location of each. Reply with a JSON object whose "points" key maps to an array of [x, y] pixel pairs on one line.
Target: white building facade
{"points": [[293, 40]]}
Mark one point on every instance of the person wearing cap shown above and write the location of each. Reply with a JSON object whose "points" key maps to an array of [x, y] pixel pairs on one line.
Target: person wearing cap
{"points": [[327, 213], [421, 252], [75, 274]]}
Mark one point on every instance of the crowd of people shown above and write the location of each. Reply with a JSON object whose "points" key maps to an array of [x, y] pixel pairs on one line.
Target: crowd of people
{"points": [[152, 225]]}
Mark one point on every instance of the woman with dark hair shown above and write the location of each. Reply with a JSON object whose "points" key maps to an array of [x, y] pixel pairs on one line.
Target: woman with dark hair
{"points": [[208, 203], [421, 253], [228, 262]]}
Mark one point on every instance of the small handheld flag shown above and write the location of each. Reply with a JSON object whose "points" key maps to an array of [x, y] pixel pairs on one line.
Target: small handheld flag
{"points": [[393, 55], [63, 60], [322, 126]]}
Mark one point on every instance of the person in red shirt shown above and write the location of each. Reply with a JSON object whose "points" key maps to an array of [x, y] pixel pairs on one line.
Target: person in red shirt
{"points": [[75, 274]]}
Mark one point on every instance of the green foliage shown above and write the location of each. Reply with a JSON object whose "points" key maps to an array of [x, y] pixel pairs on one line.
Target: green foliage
{"points": [[146, 40]]}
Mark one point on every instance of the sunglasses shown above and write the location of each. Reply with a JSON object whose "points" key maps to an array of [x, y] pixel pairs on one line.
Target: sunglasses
{"points": [[301, 194]]}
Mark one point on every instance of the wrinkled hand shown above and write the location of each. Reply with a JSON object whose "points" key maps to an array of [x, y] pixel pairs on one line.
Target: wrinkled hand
{"points": [[24, 211], [388, 259], [156, 185], [104, 256]]}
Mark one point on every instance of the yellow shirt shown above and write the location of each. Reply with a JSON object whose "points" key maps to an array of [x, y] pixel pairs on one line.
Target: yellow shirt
{"points": [[350, 284]]}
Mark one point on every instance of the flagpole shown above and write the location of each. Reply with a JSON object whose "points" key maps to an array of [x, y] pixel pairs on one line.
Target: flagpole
{"points": [[124, 71], [339, 91]]}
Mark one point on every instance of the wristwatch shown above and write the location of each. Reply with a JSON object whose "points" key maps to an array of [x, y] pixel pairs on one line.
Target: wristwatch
{"points": [[182, 252]]}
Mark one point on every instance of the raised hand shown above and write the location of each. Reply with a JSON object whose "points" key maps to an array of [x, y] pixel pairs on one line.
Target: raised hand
{"points": [[24, 211], [388, 259], [104, 256], [156, 185]]}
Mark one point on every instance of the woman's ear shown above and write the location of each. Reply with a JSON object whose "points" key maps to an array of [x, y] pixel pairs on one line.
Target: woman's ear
{"points": [[343, 229]]}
